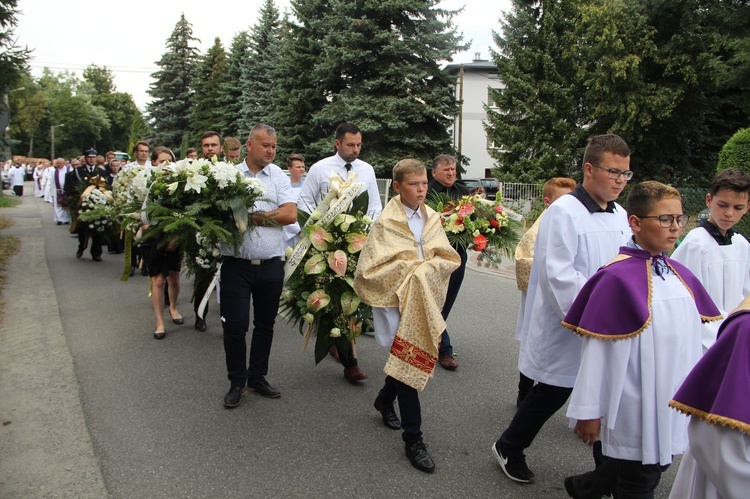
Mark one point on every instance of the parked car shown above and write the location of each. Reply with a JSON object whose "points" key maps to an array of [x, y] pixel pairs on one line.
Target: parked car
{"points": [[491, 186], [474, 184]]}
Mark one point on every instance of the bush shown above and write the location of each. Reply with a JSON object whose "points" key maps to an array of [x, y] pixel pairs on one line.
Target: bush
{"points": [[736, 152]]}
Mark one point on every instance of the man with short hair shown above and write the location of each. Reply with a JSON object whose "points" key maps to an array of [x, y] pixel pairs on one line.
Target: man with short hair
{"points": [[295, 165], [232, 149], [256, 273], [444, 181], [579, 233], [210, 146], [76, 181], [348, 144], [141, 151]]}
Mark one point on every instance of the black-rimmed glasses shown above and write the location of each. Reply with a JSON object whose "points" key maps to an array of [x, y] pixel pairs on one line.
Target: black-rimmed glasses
{"points": [[614, 173], [666, 221]]}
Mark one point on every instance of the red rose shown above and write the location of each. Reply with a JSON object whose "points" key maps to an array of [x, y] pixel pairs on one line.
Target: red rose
{"points": [[494, 223], [480, 242]]}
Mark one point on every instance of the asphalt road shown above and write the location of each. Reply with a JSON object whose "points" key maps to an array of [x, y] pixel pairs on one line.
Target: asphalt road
{"points": [[154, 410]]}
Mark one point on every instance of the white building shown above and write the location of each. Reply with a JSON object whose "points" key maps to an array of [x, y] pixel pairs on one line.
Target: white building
{"points": [[472, 91]]}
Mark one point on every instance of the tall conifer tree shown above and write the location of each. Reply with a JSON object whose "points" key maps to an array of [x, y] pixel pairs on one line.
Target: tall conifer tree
{"points": [[172, 89], [376, 64], [535, 128], [210, 78], [259, 70], [230, 92]]}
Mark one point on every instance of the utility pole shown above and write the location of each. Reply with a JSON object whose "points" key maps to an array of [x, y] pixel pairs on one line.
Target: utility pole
{"points": [[52, 140]]}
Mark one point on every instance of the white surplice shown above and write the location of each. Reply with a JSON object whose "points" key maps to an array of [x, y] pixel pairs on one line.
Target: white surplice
{"points": [[61, 214], [723, 270], [628, 383], [48, 183], [571, 245], [716, 466]]}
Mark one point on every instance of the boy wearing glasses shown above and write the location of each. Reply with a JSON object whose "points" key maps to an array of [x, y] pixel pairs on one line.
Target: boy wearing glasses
{"points": [[579, 233], [717, 255], [640, 319]]}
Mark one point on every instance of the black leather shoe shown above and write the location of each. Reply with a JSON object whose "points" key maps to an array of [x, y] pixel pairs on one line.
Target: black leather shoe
{"points": [[232, 398], [262, 387], [178, 320], [419, 458], [160, 335], [96, 258], [390, 420], [79, 253], [200, 324]]}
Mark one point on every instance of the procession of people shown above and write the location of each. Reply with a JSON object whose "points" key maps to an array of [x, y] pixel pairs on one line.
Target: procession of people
{"points": [[607, 318]]}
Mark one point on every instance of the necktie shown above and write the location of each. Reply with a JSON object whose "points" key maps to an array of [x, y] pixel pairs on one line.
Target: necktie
{"points": [[348, 167]]}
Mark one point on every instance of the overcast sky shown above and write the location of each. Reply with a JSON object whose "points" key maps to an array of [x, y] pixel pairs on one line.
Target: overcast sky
{"points": [[128, 36]]}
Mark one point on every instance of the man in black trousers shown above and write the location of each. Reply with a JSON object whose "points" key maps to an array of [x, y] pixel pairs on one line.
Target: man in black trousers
{"points": [[444, 181]]}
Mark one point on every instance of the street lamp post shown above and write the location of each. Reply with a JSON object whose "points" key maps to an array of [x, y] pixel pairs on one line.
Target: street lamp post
{"points": [[52, 140]]}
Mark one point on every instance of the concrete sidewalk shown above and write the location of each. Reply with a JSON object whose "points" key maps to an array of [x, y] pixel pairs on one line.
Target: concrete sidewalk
{"points": [[46, 446]]}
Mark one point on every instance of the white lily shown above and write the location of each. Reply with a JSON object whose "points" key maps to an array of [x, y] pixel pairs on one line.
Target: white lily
{"points": [[195, 182], [173, 187]]}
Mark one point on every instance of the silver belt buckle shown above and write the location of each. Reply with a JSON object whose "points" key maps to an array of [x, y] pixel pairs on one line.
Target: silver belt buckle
{"points": [[256, 262]]}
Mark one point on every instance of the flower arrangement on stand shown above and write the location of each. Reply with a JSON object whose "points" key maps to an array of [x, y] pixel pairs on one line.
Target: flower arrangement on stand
{"points": [[320, 270], [200, 204], [475, 223]]}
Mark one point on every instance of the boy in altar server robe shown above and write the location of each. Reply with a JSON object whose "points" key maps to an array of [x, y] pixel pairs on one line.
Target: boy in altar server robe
{"points": [[716, 397], [640, 319], [717, 254], [403, 273]]}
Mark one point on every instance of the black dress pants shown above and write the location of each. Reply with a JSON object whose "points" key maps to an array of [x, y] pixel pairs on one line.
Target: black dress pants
{"points": [[408, 405], [539, 405], [242, 282]]}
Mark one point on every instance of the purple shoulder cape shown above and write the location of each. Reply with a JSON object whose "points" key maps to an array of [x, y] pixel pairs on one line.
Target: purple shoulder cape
{"points": [[625, 284], [717, 390]]}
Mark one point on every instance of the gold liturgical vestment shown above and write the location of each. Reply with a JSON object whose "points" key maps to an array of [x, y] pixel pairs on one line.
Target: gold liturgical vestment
{"points": [[390, 273]]}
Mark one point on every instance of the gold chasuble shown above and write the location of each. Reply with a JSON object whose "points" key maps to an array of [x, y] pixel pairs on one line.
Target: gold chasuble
{"points": [[390, 273]]}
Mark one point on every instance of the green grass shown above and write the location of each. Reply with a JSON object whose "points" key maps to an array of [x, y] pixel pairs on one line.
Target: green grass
{"points": [[8, 247], [9, 201]]}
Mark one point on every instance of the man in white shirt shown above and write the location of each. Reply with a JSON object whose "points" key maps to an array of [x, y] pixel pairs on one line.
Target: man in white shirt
{"points": [[348, 144], [141, 151], [256, 272], [17, 176]]}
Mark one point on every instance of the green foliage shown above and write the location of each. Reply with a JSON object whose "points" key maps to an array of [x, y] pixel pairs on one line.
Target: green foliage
{"points": [[536, 130], [258, 71], [376, 64], [230, 92], [119, 108], [13, 59], [669, 76], [736, 152], [172, 89], [206, 113]]}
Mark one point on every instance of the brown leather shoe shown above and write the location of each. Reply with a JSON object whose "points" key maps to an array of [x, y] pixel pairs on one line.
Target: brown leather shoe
{"points": [[335, 354], [447, 362], [354, 373]]}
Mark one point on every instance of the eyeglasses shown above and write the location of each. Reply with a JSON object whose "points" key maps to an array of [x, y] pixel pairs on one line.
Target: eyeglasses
{"points": [[614, 173], [666, 221]]}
